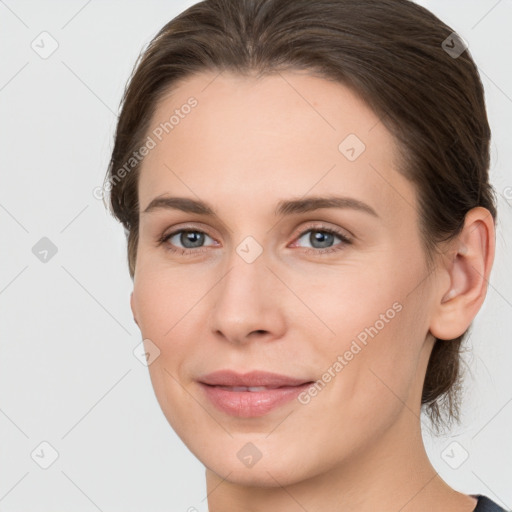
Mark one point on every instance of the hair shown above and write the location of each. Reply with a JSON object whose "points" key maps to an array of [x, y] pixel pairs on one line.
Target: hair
{"points": [[390, 53]]}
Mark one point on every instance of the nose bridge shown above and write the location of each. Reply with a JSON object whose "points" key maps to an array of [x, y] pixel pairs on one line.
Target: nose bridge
{"points": [[247, 263], [244, 284], [246, 299]]}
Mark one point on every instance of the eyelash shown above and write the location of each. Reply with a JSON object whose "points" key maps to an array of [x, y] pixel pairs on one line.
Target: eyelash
{"points": [[319, 228]]}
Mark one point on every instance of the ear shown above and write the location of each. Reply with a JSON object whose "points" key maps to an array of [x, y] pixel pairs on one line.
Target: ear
{"points": [[132, 306], [468, 266]]}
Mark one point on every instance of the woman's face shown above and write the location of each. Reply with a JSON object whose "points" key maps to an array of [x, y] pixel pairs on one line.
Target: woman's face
{"points": [[338, 295]]}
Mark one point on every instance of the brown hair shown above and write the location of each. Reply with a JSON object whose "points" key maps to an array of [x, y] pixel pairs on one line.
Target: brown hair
{"points": [[392, 53]]}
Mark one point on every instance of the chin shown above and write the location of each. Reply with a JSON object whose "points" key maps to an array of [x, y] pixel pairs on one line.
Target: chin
{"points": [[273, 468]]}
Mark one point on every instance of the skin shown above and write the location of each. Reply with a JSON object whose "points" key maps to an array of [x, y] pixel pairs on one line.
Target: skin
{"points": [[249, 143]]}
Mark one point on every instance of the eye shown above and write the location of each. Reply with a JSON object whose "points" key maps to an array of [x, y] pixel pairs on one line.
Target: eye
{"points": [[190, 239], [321, 239]]}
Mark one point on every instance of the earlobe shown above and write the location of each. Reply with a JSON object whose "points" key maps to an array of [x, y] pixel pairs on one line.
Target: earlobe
{"points": [[468, 269]]}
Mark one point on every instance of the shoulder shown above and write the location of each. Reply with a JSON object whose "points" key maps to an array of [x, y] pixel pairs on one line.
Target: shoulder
{"points": [[486, 505]]}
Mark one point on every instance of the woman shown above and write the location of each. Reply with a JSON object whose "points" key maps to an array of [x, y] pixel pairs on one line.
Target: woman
{"points": [[304, 187]]}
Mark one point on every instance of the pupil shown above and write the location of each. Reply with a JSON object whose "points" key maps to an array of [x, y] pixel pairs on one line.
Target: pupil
{"points": [[322, 237], [191, 236]]}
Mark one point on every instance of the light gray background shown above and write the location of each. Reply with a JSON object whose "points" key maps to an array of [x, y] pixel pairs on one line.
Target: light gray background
{"points": [[68, 375]]}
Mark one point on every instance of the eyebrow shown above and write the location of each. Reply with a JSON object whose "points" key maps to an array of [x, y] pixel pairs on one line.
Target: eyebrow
{"points": [[288, 207]]}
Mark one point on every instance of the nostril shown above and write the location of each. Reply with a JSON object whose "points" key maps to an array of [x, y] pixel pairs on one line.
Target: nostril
{"points": [[259, 331]]}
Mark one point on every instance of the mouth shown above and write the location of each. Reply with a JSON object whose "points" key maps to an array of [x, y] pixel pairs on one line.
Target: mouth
{"points": [[253, 379], [254, 389], [251, 401]]}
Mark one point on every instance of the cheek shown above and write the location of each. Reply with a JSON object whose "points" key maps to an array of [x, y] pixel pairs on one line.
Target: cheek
{"points": [[163, 296], [170, 306], [356, 301], [159, 307], [165, 311], [379, 323]]}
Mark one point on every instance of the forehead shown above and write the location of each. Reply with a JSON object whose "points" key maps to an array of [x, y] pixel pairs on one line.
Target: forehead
{"points": [[254, 140]]}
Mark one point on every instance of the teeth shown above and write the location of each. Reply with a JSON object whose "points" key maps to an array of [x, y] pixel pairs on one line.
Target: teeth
{"points": [[244, 388]]}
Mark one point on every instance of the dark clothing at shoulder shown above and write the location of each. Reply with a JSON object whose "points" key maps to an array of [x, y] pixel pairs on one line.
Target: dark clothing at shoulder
{"points": [[486, 505]]}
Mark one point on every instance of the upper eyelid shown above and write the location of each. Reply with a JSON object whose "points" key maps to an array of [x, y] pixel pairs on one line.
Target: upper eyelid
{"points": [[320, 227]]}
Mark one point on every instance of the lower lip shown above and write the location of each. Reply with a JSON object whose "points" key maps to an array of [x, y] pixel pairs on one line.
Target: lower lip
{"points": [[250, 404]]}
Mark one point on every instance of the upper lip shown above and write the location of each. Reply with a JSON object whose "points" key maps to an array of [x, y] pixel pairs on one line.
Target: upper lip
{"points": [[250, 379]]}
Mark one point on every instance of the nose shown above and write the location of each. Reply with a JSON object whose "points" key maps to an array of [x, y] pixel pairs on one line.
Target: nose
{"points": [[248, 303]]}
